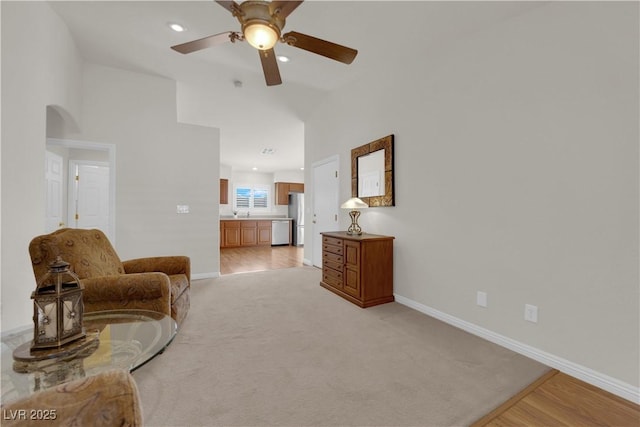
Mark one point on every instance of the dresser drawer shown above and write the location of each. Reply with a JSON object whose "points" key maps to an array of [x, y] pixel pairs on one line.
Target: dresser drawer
{"points": [[332, 264], [333, 273], [332, 277], [338, 250], [331, 241], [332, 257]]}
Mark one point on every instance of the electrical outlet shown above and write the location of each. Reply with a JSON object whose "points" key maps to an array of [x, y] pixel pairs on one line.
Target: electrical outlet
{"points": [[481, 299], [531, 313], [182, 209]]}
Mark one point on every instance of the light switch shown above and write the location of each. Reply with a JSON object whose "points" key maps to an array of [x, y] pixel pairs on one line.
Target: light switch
{"points": [[182, 209]]}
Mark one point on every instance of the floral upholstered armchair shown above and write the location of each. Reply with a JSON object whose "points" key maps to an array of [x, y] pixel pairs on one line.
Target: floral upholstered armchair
{"points": [[160, 284], [109, 398]]}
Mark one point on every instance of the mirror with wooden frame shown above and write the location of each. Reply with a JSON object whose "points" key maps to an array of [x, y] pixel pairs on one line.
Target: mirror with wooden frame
{"points": [[372, 172]]}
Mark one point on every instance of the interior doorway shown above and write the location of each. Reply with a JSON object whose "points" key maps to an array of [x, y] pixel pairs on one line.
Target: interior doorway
{"points": [[95, 197]]}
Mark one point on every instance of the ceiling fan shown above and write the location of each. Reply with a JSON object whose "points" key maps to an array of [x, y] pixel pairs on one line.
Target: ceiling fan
{"points": [[262, 23]]}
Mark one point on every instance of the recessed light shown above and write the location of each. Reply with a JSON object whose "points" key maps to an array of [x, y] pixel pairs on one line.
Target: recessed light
{"points": [[176, 27], [254, 168], [301, 169], [283, 58]]}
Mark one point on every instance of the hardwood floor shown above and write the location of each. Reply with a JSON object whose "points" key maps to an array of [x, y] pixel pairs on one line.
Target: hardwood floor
{"points": [[258, 258], [557, 399]]}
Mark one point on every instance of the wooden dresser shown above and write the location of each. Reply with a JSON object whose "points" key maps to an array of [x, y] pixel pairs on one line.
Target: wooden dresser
{"points": [[358, 268]]}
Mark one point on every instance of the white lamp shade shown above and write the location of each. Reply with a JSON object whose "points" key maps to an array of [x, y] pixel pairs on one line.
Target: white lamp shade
{"points": [[354, 203]]}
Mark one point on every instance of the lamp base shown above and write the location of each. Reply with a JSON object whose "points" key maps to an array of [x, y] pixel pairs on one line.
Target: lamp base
{"points": [[354, 228]]}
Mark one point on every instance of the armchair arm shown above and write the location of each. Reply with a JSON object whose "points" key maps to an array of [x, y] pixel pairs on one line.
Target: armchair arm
{"points": [[145, 291], [169, 265]]}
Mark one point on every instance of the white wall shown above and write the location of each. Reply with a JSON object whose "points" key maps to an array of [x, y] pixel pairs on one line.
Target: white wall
{"points": [[159, 164], [516, 174], [40, 67], [288, 176]]}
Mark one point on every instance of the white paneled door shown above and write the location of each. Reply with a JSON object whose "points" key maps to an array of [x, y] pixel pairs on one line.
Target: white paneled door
{"points": [[90, 205], [325, 203]]}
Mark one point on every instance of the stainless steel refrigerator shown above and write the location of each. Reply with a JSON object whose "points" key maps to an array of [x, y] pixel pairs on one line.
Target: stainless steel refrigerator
{"points": [[296, 211]]}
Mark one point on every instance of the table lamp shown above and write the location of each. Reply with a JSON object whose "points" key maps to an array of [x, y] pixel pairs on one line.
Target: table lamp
{"points": [[354, 204]]}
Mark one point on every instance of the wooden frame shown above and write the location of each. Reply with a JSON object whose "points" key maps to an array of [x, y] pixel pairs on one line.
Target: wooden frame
{"points": [[386, 144]]}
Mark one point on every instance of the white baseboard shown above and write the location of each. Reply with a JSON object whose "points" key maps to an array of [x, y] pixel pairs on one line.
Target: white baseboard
{"points": [[199, 276], [307, 262], [588, 375]]}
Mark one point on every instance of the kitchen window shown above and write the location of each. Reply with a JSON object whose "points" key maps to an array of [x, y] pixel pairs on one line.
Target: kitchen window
{"points": [[251, 197]]}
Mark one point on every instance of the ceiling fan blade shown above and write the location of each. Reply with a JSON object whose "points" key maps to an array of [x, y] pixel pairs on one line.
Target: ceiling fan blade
{"points": [[330, 50], [205, 42], [270, 67], [283, 7], [231, 6]]}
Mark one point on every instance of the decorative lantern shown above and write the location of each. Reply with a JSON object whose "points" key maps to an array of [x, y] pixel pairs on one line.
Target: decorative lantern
{"points": [[57, 308]]}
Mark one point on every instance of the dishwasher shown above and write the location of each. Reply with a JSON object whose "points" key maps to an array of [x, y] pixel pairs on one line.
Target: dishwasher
{"points": [[280, 232]]}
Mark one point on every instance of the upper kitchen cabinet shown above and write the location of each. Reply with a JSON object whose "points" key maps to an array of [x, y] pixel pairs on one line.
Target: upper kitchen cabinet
{"points": [[284, 188], [224, 191]]}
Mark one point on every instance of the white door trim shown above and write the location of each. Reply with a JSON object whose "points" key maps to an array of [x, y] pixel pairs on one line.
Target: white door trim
{"points": [[317, 257], [111, 151], [54, 199]]}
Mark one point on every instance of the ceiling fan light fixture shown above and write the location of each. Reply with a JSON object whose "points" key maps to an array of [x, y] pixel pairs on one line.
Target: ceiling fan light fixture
{"points": [[261, 35]]}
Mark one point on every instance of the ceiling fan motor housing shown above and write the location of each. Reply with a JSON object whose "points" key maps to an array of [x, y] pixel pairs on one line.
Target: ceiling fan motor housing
{"points": [[255, 16]]}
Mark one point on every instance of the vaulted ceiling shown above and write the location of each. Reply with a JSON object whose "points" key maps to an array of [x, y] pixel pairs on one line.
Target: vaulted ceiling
{"points": [[134, 35]]}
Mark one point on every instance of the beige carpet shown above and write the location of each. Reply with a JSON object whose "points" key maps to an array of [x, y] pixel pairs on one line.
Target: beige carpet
{"points": [[273, 348]]}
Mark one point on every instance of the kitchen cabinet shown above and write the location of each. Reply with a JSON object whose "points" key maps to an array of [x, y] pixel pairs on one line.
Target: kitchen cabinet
{"points": [[248, 233], [230, 234], [358, 268], [284, 188], [242, 232], [296, 187], [264, 233], [224, 191]]}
